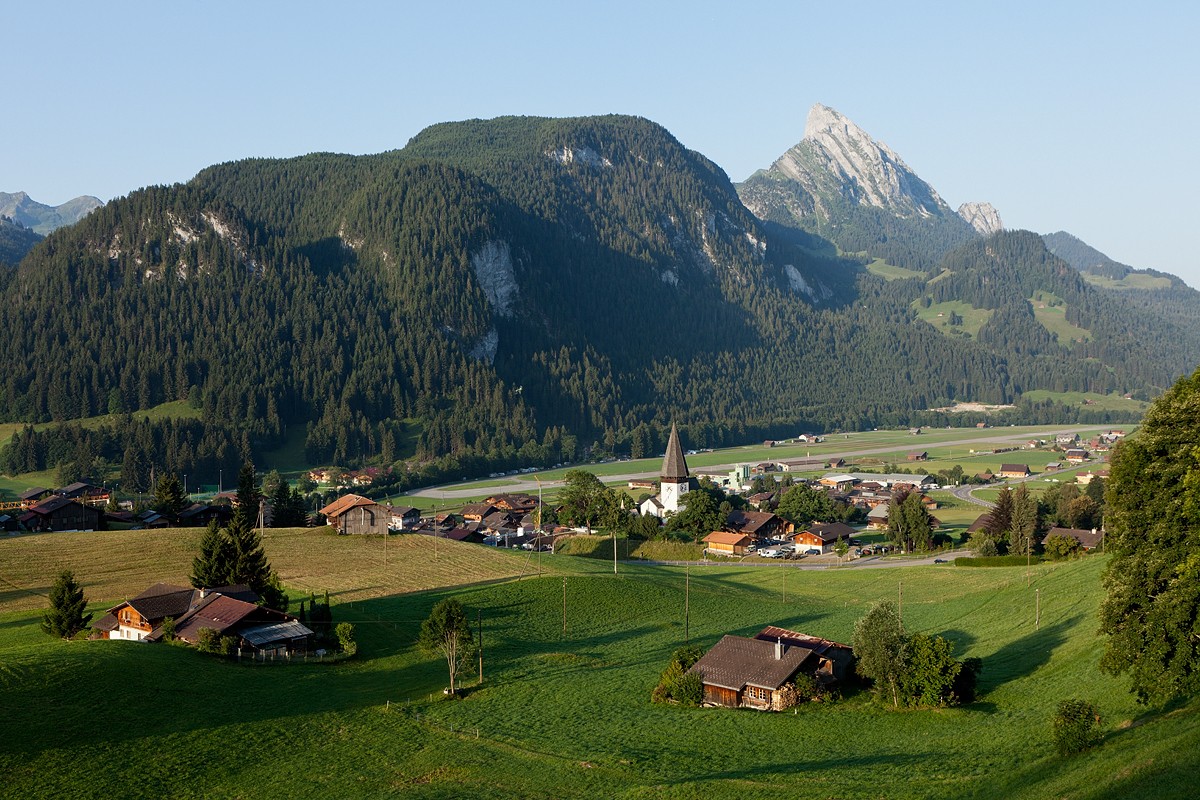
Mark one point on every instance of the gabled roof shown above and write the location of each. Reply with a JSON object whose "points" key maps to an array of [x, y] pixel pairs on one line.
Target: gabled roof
{"points": [[217, 612], [830, 531], [674, 468], [33, 494], [1022, 468], [773, 633], [879, 512], [981, 522], [725, 537], [480, 510], [160, 601], [344, 504], [1088, 539], [749, 521], [50, 505], [275, 632], [736, 662]]}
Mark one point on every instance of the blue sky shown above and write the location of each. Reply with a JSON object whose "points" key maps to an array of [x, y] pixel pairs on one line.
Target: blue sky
{"points": [[1065, 116]]}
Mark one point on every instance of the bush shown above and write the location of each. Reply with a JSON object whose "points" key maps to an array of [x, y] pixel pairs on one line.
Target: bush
{"points": [[1076, 726], [208, 640], [688, 690], [676, 684], [996, 561], [345, 637], [168, 629], [1059, 546]]}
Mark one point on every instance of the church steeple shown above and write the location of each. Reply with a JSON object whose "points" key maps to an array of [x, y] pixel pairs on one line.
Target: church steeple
{"points": [[674, 468]]}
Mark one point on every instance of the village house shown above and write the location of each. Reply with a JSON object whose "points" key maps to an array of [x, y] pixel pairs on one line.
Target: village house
{"points": [[1087, 477], [476, 512], [822, 536], [920, 456], [1088, 539], [1014, 471], [763, 500], [758, 524], [57, 513], [741, 672], [838, 481], [404, 518], [877, 517], [728, 543], [1076, 455]]}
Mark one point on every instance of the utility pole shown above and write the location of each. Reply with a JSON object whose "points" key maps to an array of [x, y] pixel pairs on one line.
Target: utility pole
{"points": [[785, 585], [479, 624], [1038, 619], [564, 605], [900, 606]]}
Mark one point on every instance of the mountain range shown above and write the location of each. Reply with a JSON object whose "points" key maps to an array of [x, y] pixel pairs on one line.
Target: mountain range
{"points": [[518, 290]]}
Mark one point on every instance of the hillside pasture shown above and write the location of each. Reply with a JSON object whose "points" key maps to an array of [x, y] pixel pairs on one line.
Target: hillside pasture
{"points": [[565, 713], [938, 315]]}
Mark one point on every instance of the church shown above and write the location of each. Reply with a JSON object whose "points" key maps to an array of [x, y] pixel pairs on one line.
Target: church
{"points": [[673, 484]]}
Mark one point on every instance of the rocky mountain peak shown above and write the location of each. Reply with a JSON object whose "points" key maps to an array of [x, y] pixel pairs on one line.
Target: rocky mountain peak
{"points": [[837, 155], [983, 217]]}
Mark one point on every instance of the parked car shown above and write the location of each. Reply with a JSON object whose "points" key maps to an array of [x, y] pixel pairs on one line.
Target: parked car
{"points": [[813, 551], [770, 552], [940, 561]]}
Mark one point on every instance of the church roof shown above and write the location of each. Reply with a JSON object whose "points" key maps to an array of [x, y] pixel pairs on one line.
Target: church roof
{"points": [[674, 468]]}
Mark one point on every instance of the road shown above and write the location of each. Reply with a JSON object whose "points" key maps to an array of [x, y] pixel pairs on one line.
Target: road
{"points": [[523, 484]]}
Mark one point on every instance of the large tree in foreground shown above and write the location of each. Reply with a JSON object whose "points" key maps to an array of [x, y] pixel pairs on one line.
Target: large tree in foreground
{"points": [[65, 617], [1152, 610], [447, 632]]}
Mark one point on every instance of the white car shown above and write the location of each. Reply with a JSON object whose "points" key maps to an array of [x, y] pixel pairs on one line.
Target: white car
{"points": [[770, 552]]}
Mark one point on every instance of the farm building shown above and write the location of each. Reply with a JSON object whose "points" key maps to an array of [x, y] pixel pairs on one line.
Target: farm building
{"points": [[1014, 471], [734, 544], [823, 536]]}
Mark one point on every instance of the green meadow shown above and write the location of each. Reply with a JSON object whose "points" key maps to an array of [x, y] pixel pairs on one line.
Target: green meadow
{"points": [[563, 709]]}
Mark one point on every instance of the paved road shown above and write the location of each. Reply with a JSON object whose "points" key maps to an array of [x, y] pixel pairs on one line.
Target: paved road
{"points": [[966, 491], [523, 483]]}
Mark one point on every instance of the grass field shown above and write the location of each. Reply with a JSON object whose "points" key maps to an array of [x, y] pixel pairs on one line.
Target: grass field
{"points": [[890, 272], [566, 714], [1130, 281], [938, 315], [1050, 310], [1103, 402]]}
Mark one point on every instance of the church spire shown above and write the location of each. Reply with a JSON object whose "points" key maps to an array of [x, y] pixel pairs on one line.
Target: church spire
{"points": [[674, 468]]}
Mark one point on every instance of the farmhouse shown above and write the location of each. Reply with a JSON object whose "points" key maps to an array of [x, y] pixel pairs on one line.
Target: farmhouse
{"points": [[739, 672], [727, 543], [1088, 539], [61, 514], [1076, 455], [758, 524], [877, 517], [823, 536], [918, 456], [1014, 471]]}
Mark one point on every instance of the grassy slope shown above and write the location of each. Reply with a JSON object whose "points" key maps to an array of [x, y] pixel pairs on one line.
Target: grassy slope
{"points": [[973, 318], [1049, 310], [567, 715]]}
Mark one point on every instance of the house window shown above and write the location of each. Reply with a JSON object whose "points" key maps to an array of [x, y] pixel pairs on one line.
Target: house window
{"points": [[758, 694]]}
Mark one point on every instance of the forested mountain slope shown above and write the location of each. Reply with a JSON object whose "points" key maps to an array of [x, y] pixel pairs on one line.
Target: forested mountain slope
{"points": [[502, 291]]}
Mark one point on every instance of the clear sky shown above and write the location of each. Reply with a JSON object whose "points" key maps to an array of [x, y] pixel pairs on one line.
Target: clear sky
{"points": [[1076, 116]]}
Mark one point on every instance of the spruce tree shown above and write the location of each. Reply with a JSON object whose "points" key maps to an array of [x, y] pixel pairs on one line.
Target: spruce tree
{"points": [[169, 497], [65, 617], [214, 565]]}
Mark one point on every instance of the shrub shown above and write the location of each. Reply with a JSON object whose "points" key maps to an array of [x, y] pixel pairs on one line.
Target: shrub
{"points": [[1076, 726], [1059, 546], [168, 629], [675, 684], [208, 640], [689, 690], [227, 645], [345, 637]]}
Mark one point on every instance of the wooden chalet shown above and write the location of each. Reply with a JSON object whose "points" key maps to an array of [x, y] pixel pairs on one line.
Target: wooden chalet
{"points": [[405, 518], [141, 617], [31, 497], [1088, 539], [354, 513], [1014, 471], [823, 536], [740, 672], [85, 493], [918, 456], [727, 543], [877, 517], [1076, 456], [517, 503], [758, 524], [476, 512], [763, 500], [58, 513]]}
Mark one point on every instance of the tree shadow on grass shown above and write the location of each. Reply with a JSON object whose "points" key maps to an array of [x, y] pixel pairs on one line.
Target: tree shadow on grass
{"points": [[1023, 657]]}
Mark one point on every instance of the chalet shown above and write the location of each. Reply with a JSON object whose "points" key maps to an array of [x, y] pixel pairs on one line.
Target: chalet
{"points": [[1053, 466], [727, 543], [836, 463], [520, 503], [763, 500], [764, 467], [404, 518], [140, 618], [153, 519], [200, 514], [644, 483], [354, 513], [85, 493], [33, 496], [1088, 539], [877, 517], [757, 524], [921, 456], [498, 521], [839, 482], [61, 514], [476, 512], [822, 536], [1076, 455], [739, 672], [981, 523], [259, 629], [1014, 471], [769, 443], [1066, 439], [799, 465], [929, 503]]}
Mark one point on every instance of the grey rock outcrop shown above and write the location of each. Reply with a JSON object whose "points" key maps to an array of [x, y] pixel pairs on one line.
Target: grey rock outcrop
{"points": [[983, 217]]}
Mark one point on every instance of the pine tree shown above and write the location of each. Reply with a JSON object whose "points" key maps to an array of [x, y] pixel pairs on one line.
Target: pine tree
{"points": [[65, 617], [1024, 523], [245, 512], [214, 564], [169, 498]]}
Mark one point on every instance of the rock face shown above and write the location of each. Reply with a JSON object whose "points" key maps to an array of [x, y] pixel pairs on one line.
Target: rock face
{"points": [[836, 158], [983, 217], [42, 218]]}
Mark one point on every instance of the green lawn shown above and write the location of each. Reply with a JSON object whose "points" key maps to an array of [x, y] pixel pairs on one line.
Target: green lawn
{"points": [[1050, 310], [567, 714], [938, 315]]}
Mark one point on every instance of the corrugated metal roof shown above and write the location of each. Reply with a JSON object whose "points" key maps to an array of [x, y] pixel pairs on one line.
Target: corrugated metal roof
{"points": [[275, 632]]}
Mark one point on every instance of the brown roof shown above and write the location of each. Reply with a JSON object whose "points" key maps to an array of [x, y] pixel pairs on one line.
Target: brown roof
{"points": [[725, 537], [480, 510], [772, 633], [344, 504], [1088, 539], [217, 612], [160, 601], [736, 662], [830, 531], [674, 468], [1022, 468], [981, 522], [749, 521]]}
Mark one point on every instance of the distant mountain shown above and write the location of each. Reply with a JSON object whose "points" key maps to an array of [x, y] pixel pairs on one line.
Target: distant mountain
{"points": [[15, 241], [842, 184], [520, 290], [983, 217], [42, 218]]}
